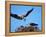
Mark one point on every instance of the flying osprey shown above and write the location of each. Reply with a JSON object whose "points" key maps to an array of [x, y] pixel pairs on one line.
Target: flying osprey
{"points": [[22, 16]]}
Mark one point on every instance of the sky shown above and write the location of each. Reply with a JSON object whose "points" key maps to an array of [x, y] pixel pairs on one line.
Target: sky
{"points": [[33, 17]]}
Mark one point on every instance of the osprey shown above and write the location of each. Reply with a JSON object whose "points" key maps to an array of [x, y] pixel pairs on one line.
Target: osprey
{"points": [[22, 16]]}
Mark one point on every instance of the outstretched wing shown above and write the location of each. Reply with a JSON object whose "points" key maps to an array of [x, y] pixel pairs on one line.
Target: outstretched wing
{"points": [[21, 17], [28, 12], [16, 16]]}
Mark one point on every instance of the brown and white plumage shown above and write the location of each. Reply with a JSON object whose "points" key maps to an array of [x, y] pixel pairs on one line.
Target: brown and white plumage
{"points": [[20, 17]]}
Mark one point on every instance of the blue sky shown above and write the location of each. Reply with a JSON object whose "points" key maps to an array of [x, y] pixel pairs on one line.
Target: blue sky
{"points": [[34, 17]]}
